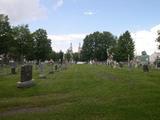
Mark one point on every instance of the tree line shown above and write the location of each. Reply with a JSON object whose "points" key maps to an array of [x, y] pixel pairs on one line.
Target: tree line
{"points": [[100, 45], [17, 42]]}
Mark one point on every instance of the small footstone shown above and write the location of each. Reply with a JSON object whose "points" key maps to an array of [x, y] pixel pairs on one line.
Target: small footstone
{"points": [[41, 76], [25, 84]]}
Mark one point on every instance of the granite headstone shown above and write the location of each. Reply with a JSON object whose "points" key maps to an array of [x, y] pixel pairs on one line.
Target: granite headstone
{"points": [[26, 77]]}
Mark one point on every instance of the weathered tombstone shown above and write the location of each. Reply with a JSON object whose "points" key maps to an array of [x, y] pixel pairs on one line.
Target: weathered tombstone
{"points": [[56, 67], [26, 77], [110, 61], [51, 63], [158, 62], [1, 64], [145, 61], [13, 67], [64, 65], [120, 64], [129, 63], [36, 65], [115, 64], [42, 72], [60, 67]]}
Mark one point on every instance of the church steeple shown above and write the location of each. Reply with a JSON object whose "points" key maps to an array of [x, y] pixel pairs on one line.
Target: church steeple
{"points": [[79, 48], [71, 48]]}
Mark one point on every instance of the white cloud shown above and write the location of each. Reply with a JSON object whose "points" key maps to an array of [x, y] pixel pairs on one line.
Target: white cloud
{"points": [[67, 37], [62, 42], [146, 40], [22, 10], [58, 3], [89, 13]]}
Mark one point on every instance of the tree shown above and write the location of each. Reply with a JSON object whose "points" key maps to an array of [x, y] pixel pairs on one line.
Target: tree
{"points": [[76, 57], [68, 56], [5, 34], [125, 47], [95, 46], [23, 42], [42, 47], [61, 56], [53, 56]]}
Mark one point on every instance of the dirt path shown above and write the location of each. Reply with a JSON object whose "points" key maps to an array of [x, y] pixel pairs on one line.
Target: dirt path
{"points": [[14, 111]]}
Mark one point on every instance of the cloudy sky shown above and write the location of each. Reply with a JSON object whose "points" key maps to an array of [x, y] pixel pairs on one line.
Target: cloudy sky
{"points": [[69, 21]]}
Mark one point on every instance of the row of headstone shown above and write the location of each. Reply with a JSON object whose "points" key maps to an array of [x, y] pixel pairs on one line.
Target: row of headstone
{"points": [[52, 68], [144, 62]]}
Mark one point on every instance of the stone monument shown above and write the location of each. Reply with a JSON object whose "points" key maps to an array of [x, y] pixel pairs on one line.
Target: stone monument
{"points": [[145, 61], [56, 67], [51, 64], [26, 77], [1, 64], [158, 62], [42, 72], [13, 67]]}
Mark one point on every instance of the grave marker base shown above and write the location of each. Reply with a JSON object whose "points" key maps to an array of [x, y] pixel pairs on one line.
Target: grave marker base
{"points": [[42, 76], [25, 84], [51, 72]]}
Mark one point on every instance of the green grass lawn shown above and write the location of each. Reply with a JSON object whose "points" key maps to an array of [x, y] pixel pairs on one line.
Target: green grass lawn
{"points": [[83, 92]]}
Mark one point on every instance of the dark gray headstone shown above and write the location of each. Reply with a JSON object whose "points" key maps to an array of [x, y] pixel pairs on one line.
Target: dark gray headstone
{"points": [[13, 67], [56, 67], [13, 70], [145, 68], [158, 62], [26, 77], [120, 64], [26, 73]]}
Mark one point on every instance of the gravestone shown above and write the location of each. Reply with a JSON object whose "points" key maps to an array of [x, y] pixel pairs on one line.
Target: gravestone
{"points": [[56, 67], [26, 77], [115, 64], [13, 67], [1, 65], [120, 64], [64, 66], [42, 72], [158, 62], [145, 61], [110, 61], [51, 64]]}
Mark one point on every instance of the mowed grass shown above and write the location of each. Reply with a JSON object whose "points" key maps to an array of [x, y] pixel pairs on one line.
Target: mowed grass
{"points": [[83, 92]]}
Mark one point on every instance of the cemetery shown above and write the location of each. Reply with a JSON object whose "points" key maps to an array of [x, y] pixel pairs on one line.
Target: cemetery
{"points": [[104, 79], [80, 92]]}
